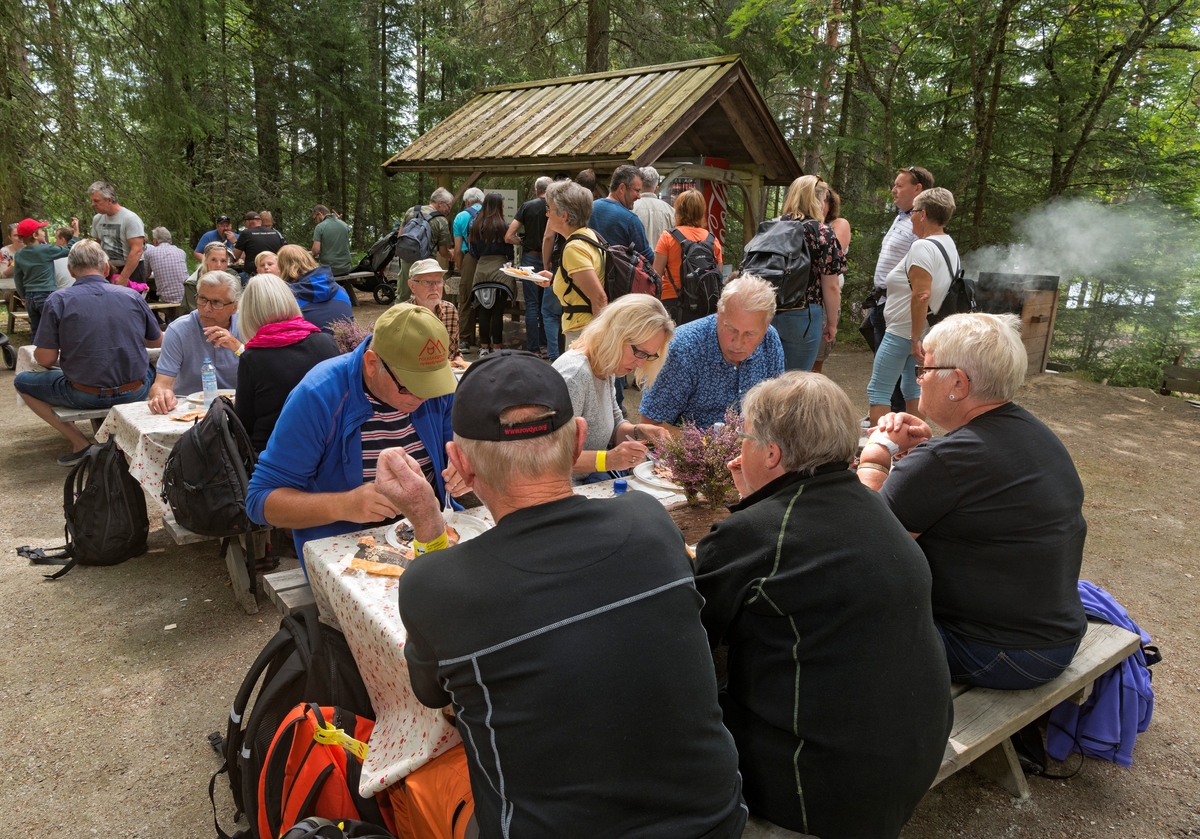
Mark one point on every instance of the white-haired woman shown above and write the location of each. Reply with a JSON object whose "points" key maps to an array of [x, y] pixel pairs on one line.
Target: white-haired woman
{"points": [[281, 347], [915, 287], [996, 505], [838, 696], [628, 333]]}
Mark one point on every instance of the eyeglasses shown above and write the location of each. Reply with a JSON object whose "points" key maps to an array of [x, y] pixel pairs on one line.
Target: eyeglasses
{"points": [[642, 355], [431, 283], [401, 388], [215, 305], [922, 370], [742, 435]]}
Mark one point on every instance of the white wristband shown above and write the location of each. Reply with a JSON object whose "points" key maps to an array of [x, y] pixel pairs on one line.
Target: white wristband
{"points": [[883, 440]]}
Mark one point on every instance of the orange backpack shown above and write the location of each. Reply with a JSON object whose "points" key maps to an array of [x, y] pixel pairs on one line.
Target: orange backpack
{"points": [[313, 769]]}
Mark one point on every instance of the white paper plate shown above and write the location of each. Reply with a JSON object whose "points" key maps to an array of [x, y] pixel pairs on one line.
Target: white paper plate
{"points": [[197, 398], [468, 527], [517, 273], [644, 472]]}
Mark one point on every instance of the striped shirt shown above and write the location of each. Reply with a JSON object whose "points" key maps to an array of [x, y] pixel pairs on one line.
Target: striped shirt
{"points": [[894, 248], [386, 429]]}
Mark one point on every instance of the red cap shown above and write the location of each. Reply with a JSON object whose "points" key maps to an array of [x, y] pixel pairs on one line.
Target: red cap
{"points": [[29, 226]]}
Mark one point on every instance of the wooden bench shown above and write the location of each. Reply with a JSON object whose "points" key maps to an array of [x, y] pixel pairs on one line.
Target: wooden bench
{"points": [[1180, 379], [985, 720], [96, 415], [346, 281], [288, 590]]}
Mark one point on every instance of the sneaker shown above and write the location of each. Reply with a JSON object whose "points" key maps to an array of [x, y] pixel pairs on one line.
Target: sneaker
{"points": [[866, 423], [73, 458], [484, 352]]}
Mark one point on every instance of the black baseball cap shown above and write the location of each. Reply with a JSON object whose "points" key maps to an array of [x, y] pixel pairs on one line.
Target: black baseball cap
{"points": [[504, 380], [223, 218]]}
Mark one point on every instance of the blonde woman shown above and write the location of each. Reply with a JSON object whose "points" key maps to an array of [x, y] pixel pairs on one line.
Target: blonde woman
{"points": [[801, 329], [629, 332], [281, 347], [321, 299]]}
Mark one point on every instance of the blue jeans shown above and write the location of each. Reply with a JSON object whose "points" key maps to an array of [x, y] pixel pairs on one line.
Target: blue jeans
{"points": [[973, 663], [800, 332], [52, 387], [552, 322], [33, 304], [893, 360], [535, 335]]}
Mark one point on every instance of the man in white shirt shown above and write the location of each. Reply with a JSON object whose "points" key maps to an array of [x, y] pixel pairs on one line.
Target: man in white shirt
{"points": [[655, 214], [909, 183]]}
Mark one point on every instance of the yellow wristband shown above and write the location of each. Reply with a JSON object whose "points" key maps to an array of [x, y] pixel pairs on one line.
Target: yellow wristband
{"points": [[601, 461], [440, 543]]}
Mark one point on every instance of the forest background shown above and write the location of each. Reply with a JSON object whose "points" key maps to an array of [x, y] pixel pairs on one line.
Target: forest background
{"points": [[1067, 129]]}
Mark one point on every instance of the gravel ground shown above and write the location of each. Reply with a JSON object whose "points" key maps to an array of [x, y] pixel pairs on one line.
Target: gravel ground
{"points": [[108, 710]]}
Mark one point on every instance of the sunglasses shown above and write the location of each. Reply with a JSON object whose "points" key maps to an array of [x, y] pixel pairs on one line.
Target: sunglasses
{"points": [[642, 355]]}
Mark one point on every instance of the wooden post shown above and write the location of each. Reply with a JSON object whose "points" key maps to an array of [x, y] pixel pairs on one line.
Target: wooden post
{"points": [[755, 205]]}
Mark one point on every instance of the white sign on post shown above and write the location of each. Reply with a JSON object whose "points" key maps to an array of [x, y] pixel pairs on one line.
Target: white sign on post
{"points": [[510, 203]]}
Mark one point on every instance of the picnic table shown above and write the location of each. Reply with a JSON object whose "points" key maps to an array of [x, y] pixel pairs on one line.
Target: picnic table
{"points": [[407, 735], [147, 439]]}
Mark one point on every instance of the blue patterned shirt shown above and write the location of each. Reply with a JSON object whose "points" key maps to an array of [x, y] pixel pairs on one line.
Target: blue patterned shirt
{"points": [[696, 381]]}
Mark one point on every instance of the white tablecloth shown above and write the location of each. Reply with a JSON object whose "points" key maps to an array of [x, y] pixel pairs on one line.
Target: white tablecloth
{"points": [[407, 735], [146, 439]]}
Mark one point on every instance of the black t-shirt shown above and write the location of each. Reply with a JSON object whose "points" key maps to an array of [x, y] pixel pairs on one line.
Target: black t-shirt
{"points": [[999, 507], [255, 240], [569, 640], [839, 694], [267, 376], [532, 214]]}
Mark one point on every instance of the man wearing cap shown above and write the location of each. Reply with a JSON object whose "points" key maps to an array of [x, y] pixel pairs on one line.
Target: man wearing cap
{"points": [[317, 475], [97, 333], [255, 239], [331, 241], [223, 232], [33, 268], [426, 280], [567, 638]]}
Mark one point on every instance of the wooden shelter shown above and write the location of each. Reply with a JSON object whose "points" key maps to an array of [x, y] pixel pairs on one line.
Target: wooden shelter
{"points": [[672, 112]]}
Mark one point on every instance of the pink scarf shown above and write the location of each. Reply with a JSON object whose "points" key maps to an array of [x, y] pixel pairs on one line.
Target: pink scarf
{"points": [[282, 334]]}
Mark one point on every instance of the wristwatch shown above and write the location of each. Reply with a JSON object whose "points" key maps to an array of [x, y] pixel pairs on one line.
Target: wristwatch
{"points": [[885, 441]]}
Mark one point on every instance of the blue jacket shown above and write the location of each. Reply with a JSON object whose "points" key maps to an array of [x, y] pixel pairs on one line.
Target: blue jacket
{"points": [[619, 226], [317, 445], [1122, 701], [321, 299]]}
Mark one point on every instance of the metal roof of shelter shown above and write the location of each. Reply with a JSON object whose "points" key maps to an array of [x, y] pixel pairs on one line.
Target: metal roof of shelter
{"points": [[601, 120]]}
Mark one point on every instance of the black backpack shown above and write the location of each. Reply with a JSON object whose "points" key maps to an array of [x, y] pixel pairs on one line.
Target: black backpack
{"points": [[306, 661], [960, 297], [105, 510], [778, 253], [416, 237], [208, 472], [626, 271], [314, 828], [700, 280]]}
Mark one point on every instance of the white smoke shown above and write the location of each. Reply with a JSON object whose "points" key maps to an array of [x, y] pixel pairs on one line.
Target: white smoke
{"points": [[1077, 238]]}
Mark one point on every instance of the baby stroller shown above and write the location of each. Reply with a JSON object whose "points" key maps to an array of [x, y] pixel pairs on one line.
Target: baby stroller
{"points": [[375, 264], [10, 354]]}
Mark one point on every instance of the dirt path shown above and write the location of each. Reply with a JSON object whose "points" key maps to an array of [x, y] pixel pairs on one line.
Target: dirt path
{"points": [[106, 711]]}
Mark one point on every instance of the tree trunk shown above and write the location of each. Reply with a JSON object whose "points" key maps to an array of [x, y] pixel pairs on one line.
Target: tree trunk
{"points": [[13, 66], [599, 16], [812, 159], [266, 101], [384, 112], [840, 172]]}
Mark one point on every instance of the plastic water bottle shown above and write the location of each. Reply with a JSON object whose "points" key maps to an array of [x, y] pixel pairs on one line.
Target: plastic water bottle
{"points": [[620, 486], [208, 379]]}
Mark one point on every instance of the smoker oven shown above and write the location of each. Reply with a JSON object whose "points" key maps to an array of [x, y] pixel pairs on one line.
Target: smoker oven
{"points": [[1034, 297]]}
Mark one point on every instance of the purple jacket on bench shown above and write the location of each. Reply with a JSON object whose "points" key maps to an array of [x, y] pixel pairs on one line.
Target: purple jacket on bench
{"points": [[1122, 701]]}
